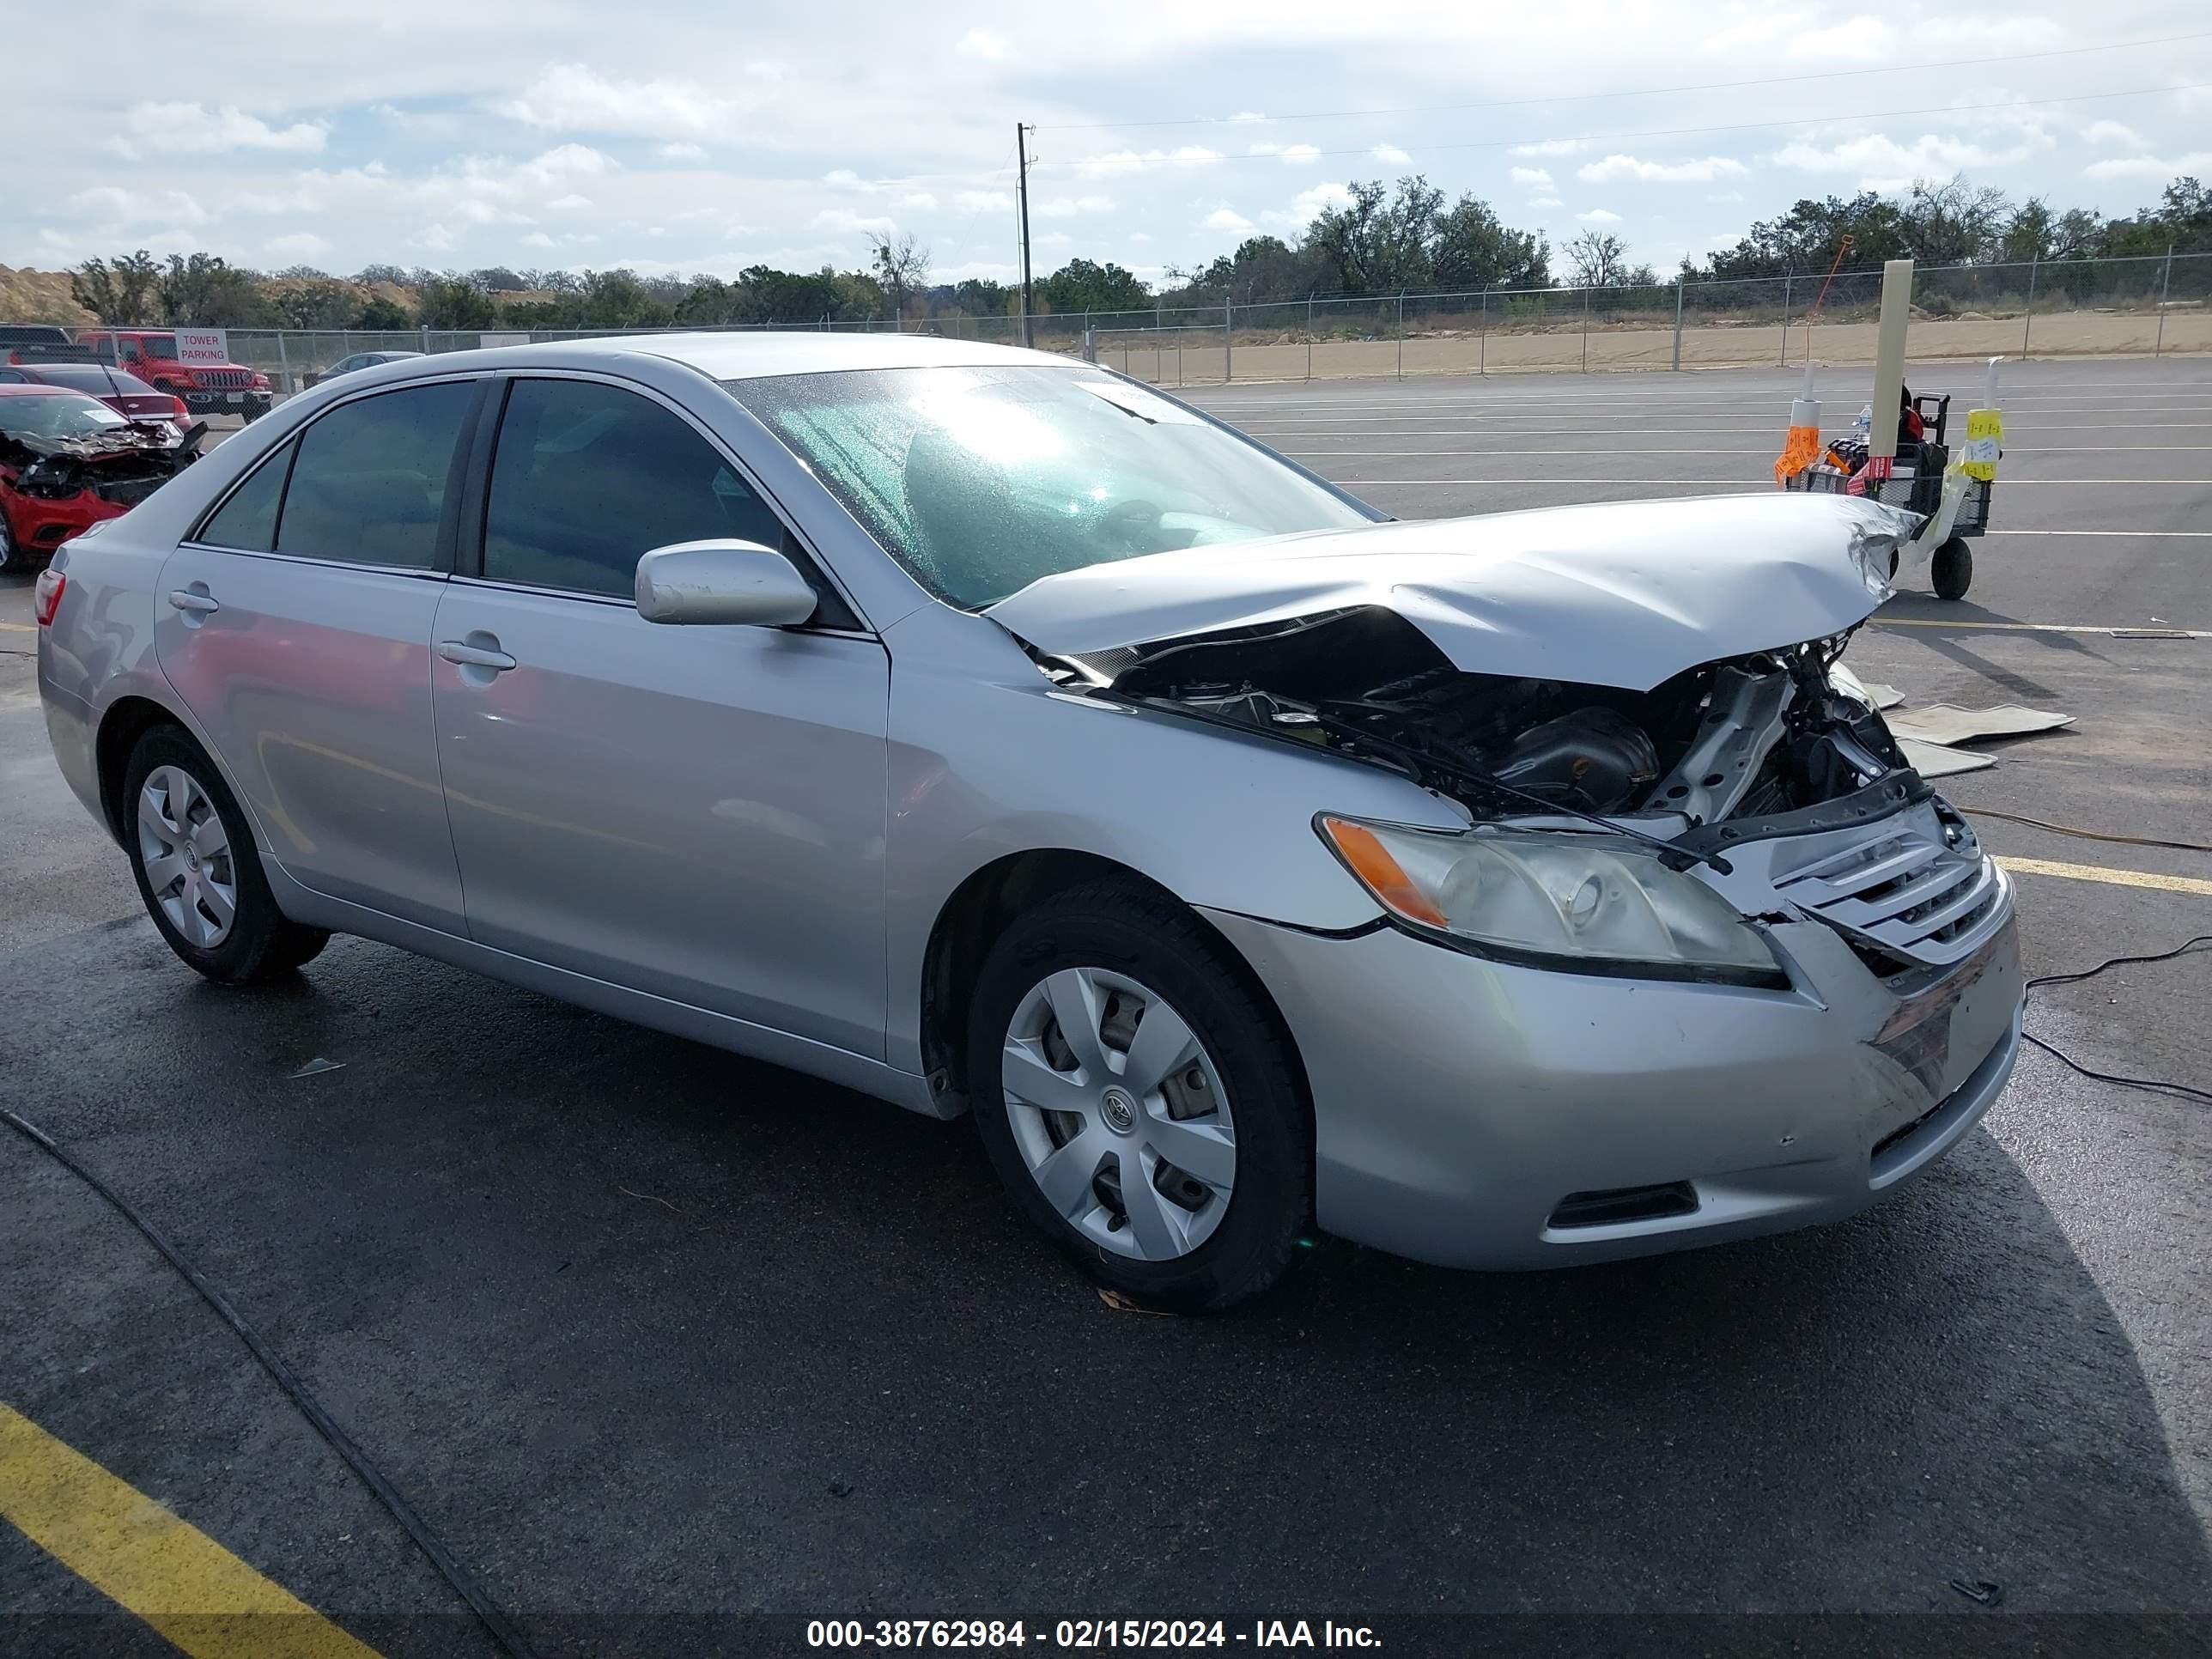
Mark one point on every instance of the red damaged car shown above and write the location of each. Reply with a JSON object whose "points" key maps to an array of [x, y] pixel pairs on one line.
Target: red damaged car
{"points": [[67, 461], [122, 392]]}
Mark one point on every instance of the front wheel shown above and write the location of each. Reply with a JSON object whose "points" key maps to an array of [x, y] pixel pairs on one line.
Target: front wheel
{"points": [[14, 558], [192, 854], [1950, 571], [1139, 1099]]}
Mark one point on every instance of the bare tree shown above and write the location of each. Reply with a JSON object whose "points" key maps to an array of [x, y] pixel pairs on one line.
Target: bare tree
{"points": [[1595, 260], [902, 267]]}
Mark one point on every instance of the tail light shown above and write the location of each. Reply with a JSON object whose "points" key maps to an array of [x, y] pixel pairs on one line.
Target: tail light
{"points": [[46, 595], [184, 410]]}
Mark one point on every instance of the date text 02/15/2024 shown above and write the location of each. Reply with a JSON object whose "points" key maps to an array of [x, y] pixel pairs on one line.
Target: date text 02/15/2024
{"points": [[1083, 1634]]}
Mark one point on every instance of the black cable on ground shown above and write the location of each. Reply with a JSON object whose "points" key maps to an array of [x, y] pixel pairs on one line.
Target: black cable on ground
{"points": [[2155, 1086], [2084, 835], [464, 1583]]}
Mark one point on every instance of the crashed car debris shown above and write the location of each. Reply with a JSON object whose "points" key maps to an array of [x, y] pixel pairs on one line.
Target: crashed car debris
{"points": [[68, 461]]}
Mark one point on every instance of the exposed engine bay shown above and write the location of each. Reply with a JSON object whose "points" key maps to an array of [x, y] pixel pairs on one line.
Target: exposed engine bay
{"points": [[1763, 737], [121, 466]]}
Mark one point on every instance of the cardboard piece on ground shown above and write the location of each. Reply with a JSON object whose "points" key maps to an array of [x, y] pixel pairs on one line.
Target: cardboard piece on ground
{"points": [[1933, 760], [1881, 697], [1885, 696], [1947, 723]]}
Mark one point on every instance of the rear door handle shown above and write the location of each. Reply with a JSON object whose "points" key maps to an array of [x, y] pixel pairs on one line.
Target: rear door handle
{"points": [[473, 656], [199, 604]]}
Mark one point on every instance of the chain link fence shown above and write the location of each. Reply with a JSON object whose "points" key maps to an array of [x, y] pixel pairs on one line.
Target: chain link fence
{"points": [[2072, 308]]}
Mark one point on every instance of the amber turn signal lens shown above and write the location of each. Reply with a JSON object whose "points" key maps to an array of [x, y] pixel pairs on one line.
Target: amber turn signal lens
{"points": [[1372, 862]]}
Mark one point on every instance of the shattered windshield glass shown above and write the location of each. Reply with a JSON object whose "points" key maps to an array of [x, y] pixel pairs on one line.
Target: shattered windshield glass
{"points": [[979, 480], [63, 415]]}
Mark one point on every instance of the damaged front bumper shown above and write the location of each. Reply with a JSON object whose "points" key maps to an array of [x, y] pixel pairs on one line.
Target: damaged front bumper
{"points": [[1475, 1113]]}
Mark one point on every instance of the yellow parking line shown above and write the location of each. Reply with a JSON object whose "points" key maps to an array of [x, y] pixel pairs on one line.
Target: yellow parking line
{"points": [[2155, 630], [199, 1595], [19, 628], [2105, 873]]}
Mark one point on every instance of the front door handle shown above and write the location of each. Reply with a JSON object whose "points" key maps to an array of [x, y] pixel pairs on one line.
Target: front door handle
{"points": [[195, 603], [473, 656]]}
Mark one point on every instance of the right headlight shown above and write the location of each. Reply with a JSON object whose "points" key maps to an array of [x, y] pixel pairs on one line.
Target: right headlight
{"points": [[1592, 903]]}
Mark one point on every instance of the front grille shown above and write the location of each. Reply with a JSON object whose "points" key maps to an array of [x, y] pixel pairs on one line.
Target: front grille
{"points": [[224, 380], [127, 492], [1909, 894]]}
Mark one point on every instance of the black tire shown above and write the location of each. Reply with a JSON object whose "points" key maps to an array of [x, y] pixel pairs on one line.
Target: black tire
{"points": [[263, 943], [1950, 571], [1128, 929], [14, 557]]}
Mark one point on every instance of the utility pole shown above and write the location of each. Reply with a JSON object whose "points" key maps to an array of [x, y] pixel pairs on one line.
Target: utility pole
{"points": [[1022, 161]]}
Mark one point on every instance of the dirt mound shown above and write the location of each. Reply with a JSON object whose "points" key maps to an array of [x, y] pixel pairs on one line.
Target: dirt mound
{"points": [[39, 297]]}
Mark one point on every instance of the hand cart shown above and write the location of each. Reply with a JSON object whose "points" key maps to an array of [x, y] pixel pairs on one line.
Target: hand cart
{"points": [[1922, 480]]}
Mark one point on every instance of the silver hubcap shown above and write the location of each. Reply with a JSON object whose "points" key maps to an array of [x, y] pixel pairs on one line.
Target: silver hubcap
{"points": [[186, 855], [1119, 1113]]}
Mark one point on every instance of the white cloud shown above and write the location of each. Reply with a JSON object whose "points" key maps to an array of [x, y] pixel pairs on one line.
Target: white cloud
{"points": [[918, 198], [1055, 239], [538, 238], [298, 247], [1545, 202], [846, 179], [845, 221], [1882, 163], [2113, 132], [197, 129], [1298, 155], [983, 43], [1139, 236], [681, 153], [1067, 207], [1390, 156], [1249, 115], [1707, 171], [1228, 219], [1129, 160], [111, 204], [1725, 197], [982, 201], [1307, 205], [1552, 147], [574, 97], [1599, 216], [2195, 163], [1535, 177]]}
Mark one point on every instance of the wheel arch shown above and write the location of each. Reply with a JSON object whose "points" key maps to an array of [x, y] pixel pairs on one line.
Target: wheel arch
{"points": [[980, 909], [126, 721]]}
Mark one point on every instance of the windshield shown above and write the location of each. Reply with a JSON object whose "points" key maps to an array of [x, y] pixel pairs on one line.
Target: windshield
{"points": [[60, 415], [100, 382], [979, 480], [163, 346]]}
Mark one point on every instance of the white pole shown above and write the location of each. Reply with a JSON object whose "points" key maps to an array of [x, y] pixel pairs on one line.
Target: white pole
{"points": [[1889, 358]]}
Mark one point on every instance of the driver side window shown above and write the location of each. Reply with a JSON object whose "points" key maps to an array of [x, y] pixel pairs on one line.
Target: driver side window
{"points": [[587, 477]]}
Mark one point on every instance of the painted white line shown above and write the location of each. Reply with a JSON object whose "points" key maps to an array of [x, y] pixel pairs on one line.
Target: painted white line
{"points": [[2008, 483], [2098, 532], [1506, 454], [2154, 631], [1270, 429]]}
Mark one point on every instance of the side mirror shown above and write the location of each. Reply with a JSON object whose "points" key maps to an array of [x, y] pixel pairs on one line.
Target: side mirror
{"points": [[722, 582]]}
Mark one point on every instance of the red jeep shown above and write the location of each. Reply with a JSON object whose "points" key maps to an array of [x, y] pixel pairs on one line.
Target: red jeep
{"points": [[207, 389]]}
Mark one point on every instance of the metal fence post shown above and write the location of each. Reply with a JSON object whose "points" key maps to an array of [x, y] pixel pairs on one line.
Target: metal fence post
{"points": [[1401, 333], [1586, 294], [1785, 320], [1678, 286], [2027, 317], [1482, 339], [284, 364], [426, 339], [2164, 288], [1228, 341]]}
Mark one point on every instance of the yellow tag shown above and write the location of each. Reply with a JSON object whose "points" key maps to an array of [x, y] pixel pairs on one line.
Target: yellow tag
{"points": [[1977, 457]]}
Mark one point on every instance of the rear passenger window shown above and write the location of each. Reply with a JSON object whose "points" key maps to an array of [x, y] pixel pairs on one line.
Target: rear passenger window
{"points": [[587, 478], [247, 521], [371, 480]]}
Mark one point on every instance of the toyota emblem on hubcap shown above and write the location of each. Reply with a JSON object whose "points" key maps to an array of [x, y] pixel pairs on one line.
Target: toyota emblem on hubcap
{"points": [[1119, 1111]]}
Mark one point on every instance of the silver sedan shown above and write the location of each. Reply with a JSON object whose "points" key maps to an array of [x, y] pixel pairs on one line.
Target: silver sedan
{"points": [[989, 732]]}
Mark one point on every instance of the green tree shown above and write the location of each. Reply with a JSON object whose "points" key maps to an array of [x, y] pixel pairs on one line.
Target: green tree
{"points": [[1954, 223], [1380, 242], [1085, 285], [314, 302], [453, 301], [126, 290], [1474, 248], [901, 267], [380, 313], [205, 290]]}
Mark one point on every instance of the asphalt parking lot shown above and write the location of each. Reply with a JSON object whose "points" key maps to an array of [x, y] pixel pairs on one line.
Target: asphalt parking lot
{"points": [[648, 1332]]}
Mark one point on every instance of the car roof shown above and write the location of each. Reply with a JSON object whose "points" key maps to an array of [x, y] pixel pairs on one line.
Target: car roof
{"points": [[756, 353], [14, 389]]}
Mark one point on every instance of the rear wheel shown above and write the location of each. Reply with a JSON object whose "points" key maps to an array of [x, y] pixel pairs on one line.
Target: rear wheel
{"points": [[14, 558], [1138, 1100], [197, 872], [1951, 572]]}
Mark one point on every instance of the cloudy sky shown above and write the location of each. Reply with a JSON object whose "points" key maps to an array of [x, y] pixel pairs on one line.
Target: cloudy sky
{"points": [[672, 135]]}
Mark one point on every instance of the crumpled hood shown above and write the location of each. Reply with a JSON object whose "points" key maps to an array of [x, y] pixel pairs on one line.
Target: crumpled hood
{"points": [[1625, 594]]}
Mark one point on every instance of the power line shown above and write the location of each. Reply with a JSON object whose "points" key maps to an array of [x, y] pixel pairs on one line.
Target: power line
{"points": [[1645, 92], [1132, 163]]}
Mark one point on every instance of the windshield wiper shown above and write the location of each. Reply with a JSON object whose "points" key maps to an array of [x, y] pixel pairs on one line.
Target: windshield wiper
{"points": [[1417, 761]]}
